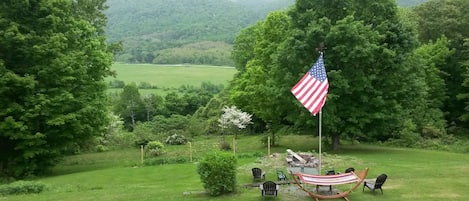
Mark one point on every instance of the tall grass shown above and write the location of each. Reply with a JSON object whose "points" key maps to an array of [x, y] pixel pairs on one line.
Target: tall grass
{"points": [[116, 175]]}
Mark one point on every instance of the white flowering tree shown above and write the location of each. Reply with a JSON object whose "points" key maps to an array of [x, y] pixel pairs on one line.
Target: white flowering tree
{"points": [[234, 119]]}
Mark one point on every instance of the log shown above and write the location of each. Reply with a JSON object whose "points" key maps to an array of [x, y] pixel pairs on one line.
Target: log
{"points": [[301, 159]]}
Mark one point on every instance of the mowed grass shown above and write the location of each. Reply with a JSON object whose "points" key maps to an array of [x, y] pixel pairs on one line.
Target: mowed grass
{"points": [[116, 175], [171, 76]]}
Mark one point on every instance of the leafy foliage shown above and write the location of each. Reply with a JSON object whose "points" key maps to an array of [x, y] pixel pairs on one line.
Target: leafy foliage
{"points": [[154, 148], [233, 116], [214, 53], [22, 187], [447, 18], [217, 171], [380, 88], [53, 58], [176, 139]]}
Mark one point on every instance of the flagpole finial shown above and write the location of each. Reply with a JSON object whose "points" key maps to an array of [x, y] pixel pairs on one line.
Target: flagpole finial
{"points": [[321, 47]]}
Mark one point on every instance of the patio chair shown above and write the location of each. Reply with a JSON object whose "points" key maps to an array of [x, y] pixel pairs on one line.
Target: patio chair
{"points": [[350, 169], [374, 184], [257, 174], [281, 175], [329, 172], [269, 188]]}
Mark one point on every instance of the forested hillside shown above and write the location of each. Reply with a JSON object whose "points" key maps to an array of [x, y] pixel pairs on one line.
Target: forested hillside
{"points": [[159, 31], [148, 26]]}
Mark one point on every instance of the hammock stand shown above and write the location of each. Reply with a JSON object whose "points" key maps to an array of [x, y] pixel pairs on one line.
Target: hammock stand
{"points": [[326, 180]]}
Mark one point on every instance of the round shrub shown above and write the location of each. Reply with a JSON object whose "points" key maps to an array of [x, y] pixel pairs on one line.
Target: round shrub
{"points": [[155, 148], [101, 148], [217, 171], [176, 139]]}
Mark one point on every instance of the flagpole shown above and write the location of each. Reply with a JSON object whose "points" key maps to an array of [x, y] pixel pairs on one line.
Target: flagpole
{"points": [[321, 49], [306, 91], [320, 142]]}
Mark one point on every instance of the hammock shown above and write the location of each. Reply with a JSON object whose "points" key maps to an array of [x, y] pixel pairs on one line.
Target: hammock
{"points": [[327, 180]]}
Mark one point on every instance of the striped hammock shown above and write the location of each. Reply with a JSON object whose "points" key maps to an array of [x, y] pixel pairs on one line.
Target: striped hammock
{"points": [[356, 177], [326, 180]]}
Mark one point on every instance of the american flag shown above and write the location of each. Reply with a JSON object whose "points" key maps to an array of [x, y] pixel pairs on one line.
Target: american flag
{"points": [[311, 90]]}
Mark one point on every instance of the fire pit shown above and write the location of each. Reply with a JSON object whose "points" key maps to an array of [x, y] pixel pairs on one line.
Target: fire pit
{"points": [[302, 162]]}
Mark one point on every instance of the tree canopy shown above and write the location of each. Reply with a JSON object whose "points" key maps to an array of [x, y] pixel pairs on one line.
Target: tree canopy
{"points": [[53, 58], [379, 82], [448, 18]]}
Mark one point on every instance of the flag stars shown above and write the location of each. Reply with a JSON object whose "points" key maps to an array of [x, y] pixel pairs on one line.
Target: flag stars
{"points": [[318, 71]]}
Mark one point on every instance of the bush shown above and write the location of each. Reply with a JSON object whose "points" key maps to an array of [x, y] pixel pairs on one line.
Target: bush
{"points": [[21, 187], [101, 148], [154, 148], [176, 139], [217, 171], [116, 84], [145, 85], [163, 161]]}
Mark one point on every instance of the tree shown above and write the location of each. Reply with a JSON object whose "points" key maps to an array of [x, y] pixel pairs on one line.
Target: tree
{"points": [[130, 106], [52, 62], [368, 44], [153, 105], [464, 95], [448, 18], [254, 89], [233, 118]]}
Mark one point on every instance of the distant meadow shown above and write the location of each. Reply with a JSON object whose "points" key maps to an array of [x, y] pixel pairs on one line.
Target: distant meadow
{"points": [[165, 78]]}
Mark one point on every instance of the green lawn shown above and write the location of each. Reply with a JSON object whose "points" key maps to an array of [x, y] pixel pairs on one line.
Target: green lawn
{"points": [[116, 175]]}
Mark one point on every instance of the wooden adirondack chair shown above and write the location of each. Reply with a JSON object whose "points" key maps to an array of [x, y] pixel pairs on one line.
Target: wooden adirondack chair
{"points": [[269, 188], [257, 174], [374, 184]]}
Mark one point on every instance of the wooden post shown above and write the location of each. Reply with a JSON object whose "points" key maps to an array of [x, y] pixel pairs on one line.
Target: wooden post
{"points": [[190, 151], [141, 154], [234, 146], [268, 145]]}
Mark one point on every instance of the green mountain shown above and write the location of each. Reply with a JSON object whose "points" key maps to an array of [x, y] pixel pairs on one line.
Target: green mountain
{"points": [[155, 31], [149, 26]]}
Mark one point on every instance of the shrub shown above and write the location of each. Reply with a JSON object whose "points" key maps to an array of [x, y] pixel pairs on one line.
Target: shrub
{"points": [[163, 161], [176, 139], [116, 84], [154, 148], [101, 148], [217, 171], [144, 85], [21, 187]]}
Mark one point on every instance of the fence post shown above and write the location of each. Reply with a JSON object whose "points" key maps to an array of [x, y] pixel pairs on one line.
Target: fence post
{"points": [[141, 154], [268, 145], [190, 151]]}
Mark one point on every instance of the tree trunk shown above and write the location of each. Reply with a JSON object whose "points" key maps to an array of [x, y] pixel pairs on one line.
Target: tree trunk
{"points": [[335, 142]]}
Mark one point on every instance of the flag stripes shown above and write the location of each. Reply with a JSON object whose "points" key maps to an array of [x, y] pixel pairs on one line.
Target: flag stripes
{"points": [[312, 89]]}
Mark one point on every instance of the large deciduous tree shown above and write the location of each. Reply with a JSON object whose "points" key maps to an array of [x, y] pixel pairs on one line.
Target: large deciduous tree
{"points": [[53, 58], [448, 18], [374, 86]]}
